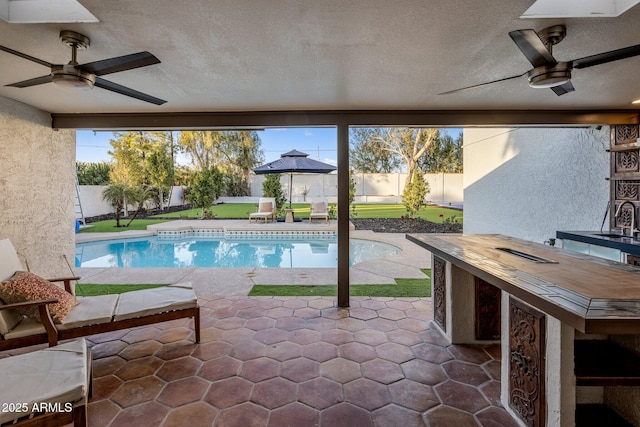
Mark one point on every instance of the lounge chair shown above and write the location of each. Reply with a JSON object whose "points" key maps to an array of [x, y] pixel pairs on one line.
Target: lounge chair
{"points": [[319, 210], [91, 315], [266, 210], [48, 387]]}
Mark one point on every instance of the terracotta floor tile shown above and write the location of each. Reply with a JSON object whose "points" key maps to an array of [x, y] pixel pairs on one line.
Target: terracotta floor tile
{"points": [[194, 415], [380, 324], [259, 323], [257, 370], [139, 368], [107, 348], [394, 415], [494, 417], [461, 396], [274, 393], [469, 354], [183, 391], [431, 353], [173, 335], [366, 394], [444, 416], [413, 325], [229, 392], [320, 351], [140, 349], [345, 415], [212, 350], [373, 304], [290, 323], [357, 352], [363, 313], [238, 335], [423, 372], [307, 313], [418, 314], [404, 337], [220, 368], [179, 368], [137, 391], [413, 395], [491, 392], [279, 313], [320, 393], [340, 370], [141, 334], [382, 371], [101, 413], [300, 369], [370, 336], [284, 351], [391, 314], [176, 350], [467, 373], [247, 350], [245, 415], [107, 366], [394, 352], [271, 335], [350, 324], [104, 387], [337, 336], [148, 414], [432, 336], [294, 414], [229, 323], [304, 336], [109, 336]]}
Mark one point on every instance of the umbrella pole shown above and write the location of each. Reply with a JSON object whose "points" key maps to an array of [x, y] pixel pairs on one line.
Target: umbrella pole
{"points": [[290, 188]]}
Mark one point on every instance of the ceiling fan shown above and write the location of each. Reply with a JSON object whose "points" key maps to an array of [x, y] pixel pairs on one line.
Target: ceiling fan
{"points": [[86, 76], [547, 72]]}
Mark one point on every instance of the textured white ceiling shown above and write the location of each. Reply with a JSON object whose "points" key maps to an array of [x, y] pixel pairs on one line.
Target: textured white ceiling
{"points": [[247, 55]]}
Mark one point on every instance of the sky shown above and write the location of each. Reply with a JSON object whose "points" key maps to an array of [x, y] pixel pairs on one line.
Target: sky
{"points": [[319, 143]]}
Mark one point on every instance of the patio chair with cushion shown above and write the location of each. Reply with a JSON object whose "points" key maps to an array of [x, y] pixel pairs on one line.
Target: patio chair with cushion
{"points": [[266, 210], [319, 210], [33, 310], [48, 387]]}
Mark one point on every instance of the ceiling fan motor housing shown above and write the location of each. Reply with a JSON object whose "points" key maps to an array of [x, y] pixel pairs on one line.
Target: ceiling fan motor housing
{"points": [[71, 77], [547, 76]]}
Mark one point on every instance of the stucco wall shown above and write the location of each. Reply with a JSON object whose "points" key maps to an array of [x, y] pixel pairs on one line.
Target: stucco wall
{"points": [[37, 188], [529, 183]]}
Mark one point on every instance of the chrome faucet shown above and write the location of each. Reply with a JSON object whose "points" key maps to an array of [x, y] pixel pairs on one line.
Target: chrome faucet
{"points": [[632, 226]]}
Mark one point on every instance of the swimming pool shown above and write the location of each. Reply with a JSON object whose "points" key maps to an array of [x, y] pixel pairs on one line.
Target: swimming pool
{"points": [[198, 251]]}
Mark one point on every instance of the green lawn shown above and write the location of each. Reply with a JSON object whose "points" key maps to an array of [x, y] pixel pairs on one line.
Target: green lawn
{"points": [[402, 288], [109, 225], [90, 290], [242, 211]]}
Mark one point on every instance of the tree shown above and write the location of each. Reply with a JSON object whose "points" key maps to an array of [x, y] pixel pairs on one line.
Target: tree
{"points": [[139, 196], [272, 187], [444, 155], [129, 152], [414, 194], [117, 194], [160, 172], [366, 154], [93, 173], [205, 189], [409, 144]]}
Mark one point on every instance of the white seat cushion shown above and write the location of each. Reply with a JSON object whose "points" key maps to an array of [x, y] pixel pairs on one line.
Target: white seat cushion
{"points": [[91, 311], [53, 375], [25, 328], [153, 301]]}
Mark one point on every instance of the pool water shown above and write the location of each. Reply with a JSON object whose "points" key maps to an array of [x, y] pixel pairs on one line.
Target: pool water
{"points": [[185, 252]]}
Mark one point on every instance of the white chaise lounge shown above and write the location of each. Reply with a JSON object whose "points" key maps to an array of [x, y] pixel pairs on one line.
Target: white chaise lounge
{"points": [[92, 315]]}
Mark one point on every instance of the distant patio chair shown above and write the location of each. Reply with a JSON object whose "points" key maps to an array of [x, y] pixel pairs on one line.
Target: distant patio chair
{"points": [[319, 210], [266, 210]]}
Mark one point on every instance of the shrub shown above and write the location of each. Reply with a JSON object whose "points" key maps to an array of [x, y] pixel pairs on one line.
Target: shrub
{"points": [[415, 193]]}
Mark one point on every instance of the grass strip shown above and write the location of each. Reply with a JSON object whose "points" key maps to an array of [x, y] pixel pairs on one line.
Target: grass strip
{"points": [[402, 288], [92, 290]]}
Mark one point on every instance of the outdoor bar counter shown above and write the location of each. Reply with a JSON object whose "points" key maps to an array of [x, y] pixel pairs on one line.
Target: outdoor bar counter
{"points": [[564, 319]]}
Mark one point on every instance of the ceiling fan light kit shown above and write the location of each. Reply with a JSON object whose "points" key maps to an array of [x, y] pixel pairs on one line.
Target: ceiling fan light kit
{"points": [[77, 76], [545, 77]]}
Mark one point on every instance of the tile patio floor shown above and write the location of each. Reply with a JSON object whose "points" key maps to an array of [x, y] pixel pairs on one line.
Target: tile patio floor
{"points": [[295, 362]]}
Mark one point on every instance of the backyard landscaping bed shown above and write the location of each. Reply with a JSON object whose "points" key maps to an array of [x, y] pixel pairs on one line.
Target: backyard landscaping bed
{"points": [[399, 225]]}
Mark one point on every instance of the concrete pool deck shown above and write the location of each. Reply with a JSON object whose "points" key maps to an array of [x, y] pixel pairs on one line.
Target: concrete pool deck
{"points": [[239, 281]]}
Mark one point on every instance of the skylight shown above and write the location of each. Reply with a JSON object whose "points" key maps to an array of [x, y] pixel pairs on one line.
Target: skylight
{"points": [[44, 11], [578, 8]]}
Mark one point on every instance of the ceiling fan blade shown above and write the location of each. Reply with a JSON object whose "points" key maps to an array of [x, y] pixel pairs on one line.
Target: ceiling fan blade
{"points": [[604, 57], [33, 82], [114, 87], [532, 47], [482, 84], [121, 63], [25, 56], [562, 89]]}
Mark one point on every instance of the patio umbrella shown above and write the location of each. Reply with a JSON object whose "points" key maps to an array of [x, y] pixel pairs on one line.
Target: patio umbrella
{"points": [[294, 162]]}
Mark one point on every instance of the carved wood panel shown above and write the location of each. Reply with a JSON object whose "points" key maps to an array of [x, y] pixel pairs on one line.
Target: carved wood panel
{"points": [[625, 216], [488, 306], [627, 161], [439, 280], [624, 134], [626, 191], [527, 363]]}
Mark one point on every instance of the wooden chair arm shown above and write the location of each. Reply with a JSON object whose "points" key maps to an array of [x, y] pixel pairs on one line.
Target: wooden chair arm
{"points": [[45, 316], [67, 282]]}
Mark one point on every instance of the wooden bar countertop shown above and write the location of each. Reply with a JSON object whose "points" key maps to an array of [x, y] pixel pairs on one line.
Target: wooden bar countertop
{"points": [[590, 294]]}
